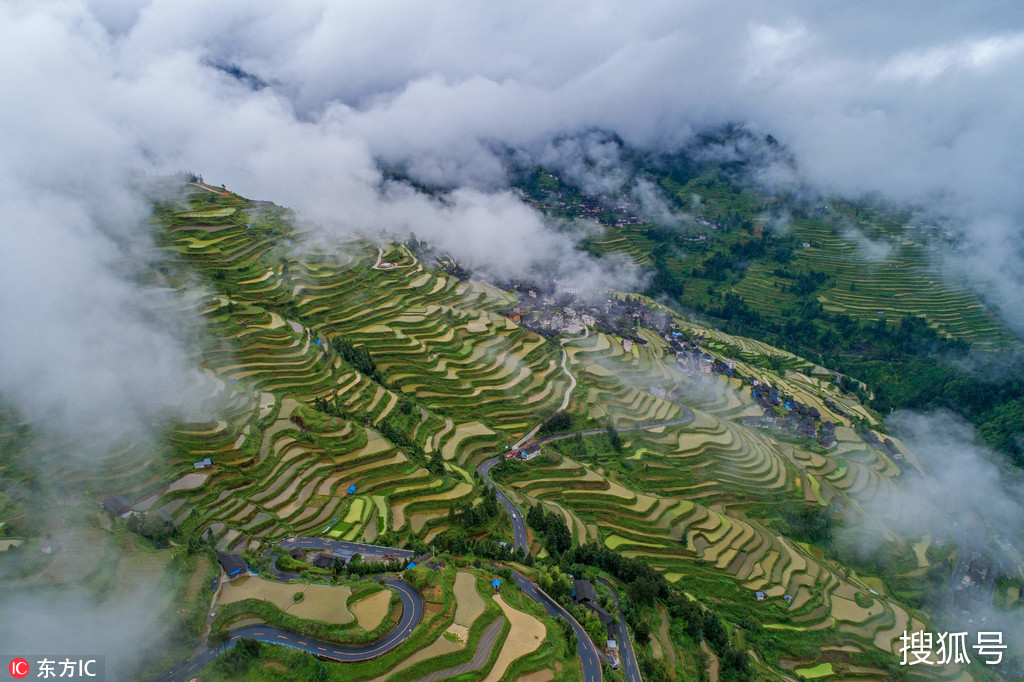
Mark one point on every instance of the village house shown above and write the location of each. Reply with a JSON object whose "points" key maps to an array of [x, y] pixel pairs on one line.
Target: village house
{"points": [[117, 505], [324, 560], [233, 564], [585, 595]]}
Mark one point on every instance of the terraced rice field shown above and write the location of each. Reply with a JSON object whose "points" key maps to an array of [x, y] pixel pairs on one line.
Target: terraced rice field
{"points": [[905, 283], [281, 469], [683, 510], [678, 496]]}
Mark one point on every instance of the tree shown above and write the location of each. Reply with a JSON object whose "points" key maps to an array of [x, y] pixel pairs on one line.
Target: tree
{"points": [[714, 630], [319, 673], [614, 437]]}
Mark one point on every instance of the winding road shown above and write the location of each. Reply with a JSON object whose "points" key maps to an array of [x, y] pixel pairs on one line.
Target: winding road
{"points": [[412, 613], [336, 546], [329, 545], [412, 601], [519, 536], [590, 659], [626, 653]]}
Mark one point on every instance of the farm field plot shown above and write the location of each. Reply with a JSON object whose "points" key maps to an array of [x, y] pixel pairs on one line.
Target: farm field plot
{"points": [[78, 554], [525, 636], [370, 611], [320, 602], [469, 603]]}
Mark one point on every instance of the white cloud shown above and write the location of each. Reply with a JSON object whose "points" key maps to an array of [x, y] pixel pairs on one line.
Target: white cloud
{"points": [[918, 101]]}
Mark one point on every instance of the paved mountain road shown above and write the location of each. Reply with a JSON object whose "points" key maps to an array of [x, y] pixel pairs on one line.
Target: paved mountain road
{"points": [[626, 653], [412, 613], [519, 535]]}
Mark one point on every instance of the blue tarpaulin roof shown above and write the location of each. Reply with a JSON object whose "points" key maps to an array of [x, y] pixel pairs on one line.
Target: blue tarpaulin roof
{"points": [[351, 489], [496, 583]]}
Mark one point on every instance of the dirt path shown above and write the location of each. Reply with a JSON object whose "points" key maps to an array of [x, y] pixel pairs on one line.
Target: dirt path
{"points": [[565, 402], [713, 660], [483, 652], [209, 618], [393, 266], [666, 643]]}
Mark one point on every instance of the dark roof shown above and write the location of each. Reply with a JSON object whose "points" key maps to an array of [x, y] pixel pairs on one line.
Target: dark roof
{"points": [[322, 560], [116, 504], [232, 564], [602, 615], [531, 449], [585, 591]]}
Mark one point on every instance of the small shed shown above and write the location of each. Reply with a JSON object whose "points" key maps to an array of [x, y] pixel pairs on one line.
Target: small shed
{"points": [[322, 560], [351, 489], [761, 596], [233, 564], [584, 592], [496, 584], [117, 505]]}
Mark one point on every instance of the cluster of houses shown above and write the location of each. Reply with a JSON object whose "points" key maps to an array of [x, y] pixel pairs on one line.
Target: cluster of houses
{"points": [[324, 560], [886, 446], [557, 308], [598, 208], [781, 411], [524, 454], [701, 366], [968, 593], [119, 506]]}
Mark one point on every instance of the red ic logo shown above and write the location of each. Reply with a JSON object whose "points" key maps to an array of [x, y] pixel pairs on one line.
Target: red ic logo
{"points": [[19, 668]]}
